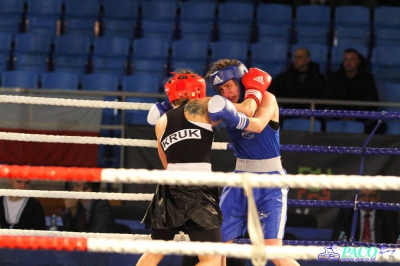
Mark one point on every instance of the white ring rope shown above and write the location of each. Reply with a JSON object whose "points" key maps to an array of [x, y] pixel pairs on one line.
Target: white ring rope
{"points": [[256, 180], [202, 248], [75, 195], [74, 102], [221, 179], [90, 140]]}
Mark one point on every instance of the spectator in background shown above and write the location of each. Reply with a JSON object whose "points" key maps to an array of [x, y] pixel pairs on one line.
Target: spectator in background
{"points": [[383, 224], [21, 212], [302, 80], [86, 215], [352, 82]]}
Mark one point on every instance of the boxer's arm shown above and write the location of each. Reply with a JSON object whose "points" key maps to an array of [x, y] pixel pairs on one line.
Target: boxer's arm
{"points": [[160, 129], [256, 82], [267, 111], [156, 111], [220, 108]]}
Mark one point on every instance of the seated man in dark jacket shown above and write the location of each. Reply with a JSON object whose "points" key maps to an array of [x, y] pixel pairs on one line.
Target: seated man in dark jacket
{"points": [[352, 82], [21, 212], [87, 215], [302, 80]]}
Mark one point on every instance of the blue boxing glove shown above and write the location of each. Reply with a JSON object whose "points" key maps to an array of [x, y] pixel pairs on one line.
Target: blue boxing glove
{"points": [[156, 111], [221, 108]]}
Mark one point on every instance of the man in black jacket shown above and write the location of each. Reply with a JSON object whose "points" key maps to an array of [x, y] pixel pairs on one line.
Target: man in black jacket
{"points": [[21, 212], [353, 82], [302, 80], [88, 215]]}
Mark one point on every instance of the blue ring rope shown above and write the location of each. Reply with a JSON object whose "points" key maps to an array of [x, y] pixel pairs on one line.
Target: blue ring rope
{"points": [[383, 115], [344, 204]]}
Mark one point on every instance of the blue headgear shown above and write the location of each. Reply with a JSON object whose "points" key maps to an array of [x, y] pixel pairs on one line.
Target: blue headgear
{"points": [[220, 77]]}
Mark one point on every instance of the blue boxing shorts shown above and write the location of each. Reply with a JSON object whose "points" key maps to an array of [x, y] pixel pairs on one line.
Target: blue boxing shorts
{"points": [[271, 205]]}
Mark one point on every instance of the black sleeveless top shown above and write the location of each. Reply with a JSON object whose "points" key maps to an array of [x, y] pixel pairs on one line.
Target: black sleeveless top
{"points": [[177, 206], [185, 142]]}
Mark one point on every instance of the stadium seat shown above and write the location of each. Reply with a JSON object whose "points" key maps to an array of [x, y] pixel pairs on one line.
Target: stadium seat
{"points": [[386, 17], [197, 30], [19, 79], [274, 14], [110, 65], [44, 17], [312, 34], [228, 31], [46, 26], [137, 117], [71, 53], [229, 49], [141, 83], [119, 28], [75, 64], [72, 45], [99, 82], [37, 63], [32, 43], [45, 8], [235, 21], [110, 55], [385, 62], [150, 56], [301, 124], [274, 33], [344, 126], [353, 36], [121, 18], [159, 11], [387, 37], [107, 46], [352, 16], [392, 127], [82, 17], [195, 60], [313, 15], [60, 80], [151, 48], [389, 92], [197, 20], [319, 54], [159, 29], [235, 12], [197, 11], [144, 83], [12, 8], [5, 42], [198, 67], [4, 61], [11, 16], [154, 67], [275, 62]]}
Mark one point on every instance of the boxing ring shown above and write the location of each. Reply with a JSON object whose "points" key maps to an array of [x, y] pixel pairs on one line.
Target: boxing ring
{"points": [[253, 249]]}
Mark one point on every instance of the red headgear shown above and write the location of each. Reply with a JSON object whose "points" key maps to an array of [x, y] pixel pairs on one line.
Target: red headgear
{"points": [[190, 86]]}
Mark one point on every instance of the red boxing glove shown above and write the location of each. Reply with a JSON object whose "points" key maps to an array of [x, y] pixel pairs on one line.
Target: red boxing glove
{"points": [[255, 83]]}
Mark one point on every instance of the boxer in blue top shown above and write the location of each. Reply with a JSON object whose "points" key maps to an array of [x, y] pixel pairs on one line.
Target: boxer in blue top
{"points": [[256, 146]]}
